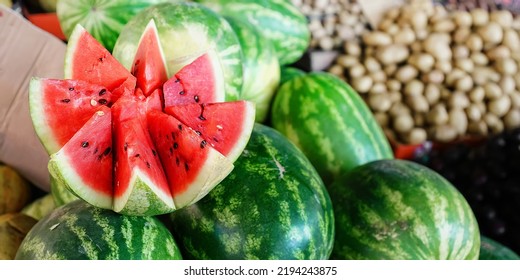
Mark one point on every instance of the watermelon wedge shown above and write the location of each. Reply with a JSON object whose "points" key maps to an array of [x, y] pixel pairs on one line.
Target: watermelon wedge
{"points": [[113, 145], [213, 126], [84, 163], [59, 108], [149, 67], [193, 166], [87, 60], [196, 82], [140, 185]]}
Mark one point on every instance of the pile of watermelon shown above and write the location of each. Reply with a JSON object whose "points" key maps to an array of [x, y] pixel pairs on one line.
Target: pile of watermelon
{"points": [[197, 131]]}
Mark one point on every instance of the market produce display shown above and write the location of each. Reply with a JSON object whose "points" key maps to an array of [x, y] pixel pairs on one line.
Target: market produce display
{"points": [[395, 209], [273, 205], [13, 229], [80, 231], [431, 74], [492, 250]]}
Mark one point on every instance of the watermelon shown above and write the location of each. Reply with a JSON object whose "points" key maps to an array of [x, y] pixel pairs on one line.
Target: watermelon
{"points": [[208, 122], [40, 207], [149, 66], [196, 83], [80, 231], [396, 209], [193, 166], [186, 31], [273, 205], [329, 122], [261, 67], [279, 22], [60, 192], [103, 19], [110, 155], [493, 250], [289, 72], [85, 161]]}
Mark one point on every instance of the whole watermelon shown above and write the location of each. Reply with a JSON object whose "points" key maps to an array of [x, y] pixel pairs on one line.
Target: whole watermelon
{"points": [[329, 122], [396, 209], [80, 231], [279, 21], [272, 206], [103, 19], [261, 67], [492, 250], [186, 30]]}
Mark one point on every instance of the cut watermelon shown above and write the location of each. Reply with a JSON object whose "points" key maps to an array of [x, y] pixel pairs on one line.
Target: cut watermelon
{"points": [[59, 108], [112, 145], [87, 60], [201, 81], [84, 163], [226, 126], [193, 166], [140, 184], [149, 67]]}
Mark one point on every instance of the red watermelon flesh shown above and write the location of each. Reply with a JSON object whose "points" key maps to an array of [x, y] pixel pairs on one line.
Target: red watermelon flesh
{"points": [[226, 126], [137, 160], [192, 166], [59, 108], [85, 161], [149, 67], [87, 60], [198, 82]]}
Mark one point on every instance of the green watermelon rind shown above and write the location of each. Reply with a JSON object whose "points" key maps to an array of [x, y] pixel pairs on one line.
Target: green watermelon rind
{"points": [[103, 19], [279, 21], [261, 67], [186, 30], [273, 205], [60, 193], [80, 231], [399, 210], [59, 167], [329, 122], [142, 198], [40, 207], [493, 250]]}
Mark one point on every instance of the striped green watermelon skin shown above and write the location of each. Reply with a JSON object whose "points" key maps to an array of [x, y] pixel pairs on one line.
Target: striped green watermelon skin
{"points": [[186, 31], [329, 122], [396, 209], [261, 67], [289, 72], [103, 19], [80, 231], [493, 250], [279, 20], [273, 205]]}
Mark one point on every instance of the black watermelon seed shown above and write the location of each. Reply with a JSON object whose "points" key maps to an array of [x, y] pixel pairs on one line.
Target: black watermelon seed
{"points": [[182, 92], [154, 152], [203, 144], [137, 155], [175, 145], [177, 80], [103, 101], [196, 97], [148, 164], [107, 151], [102, 92], [125, 147], [84, 144], [186, 166], [180, 127], [66, 100], [71, 88]]}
